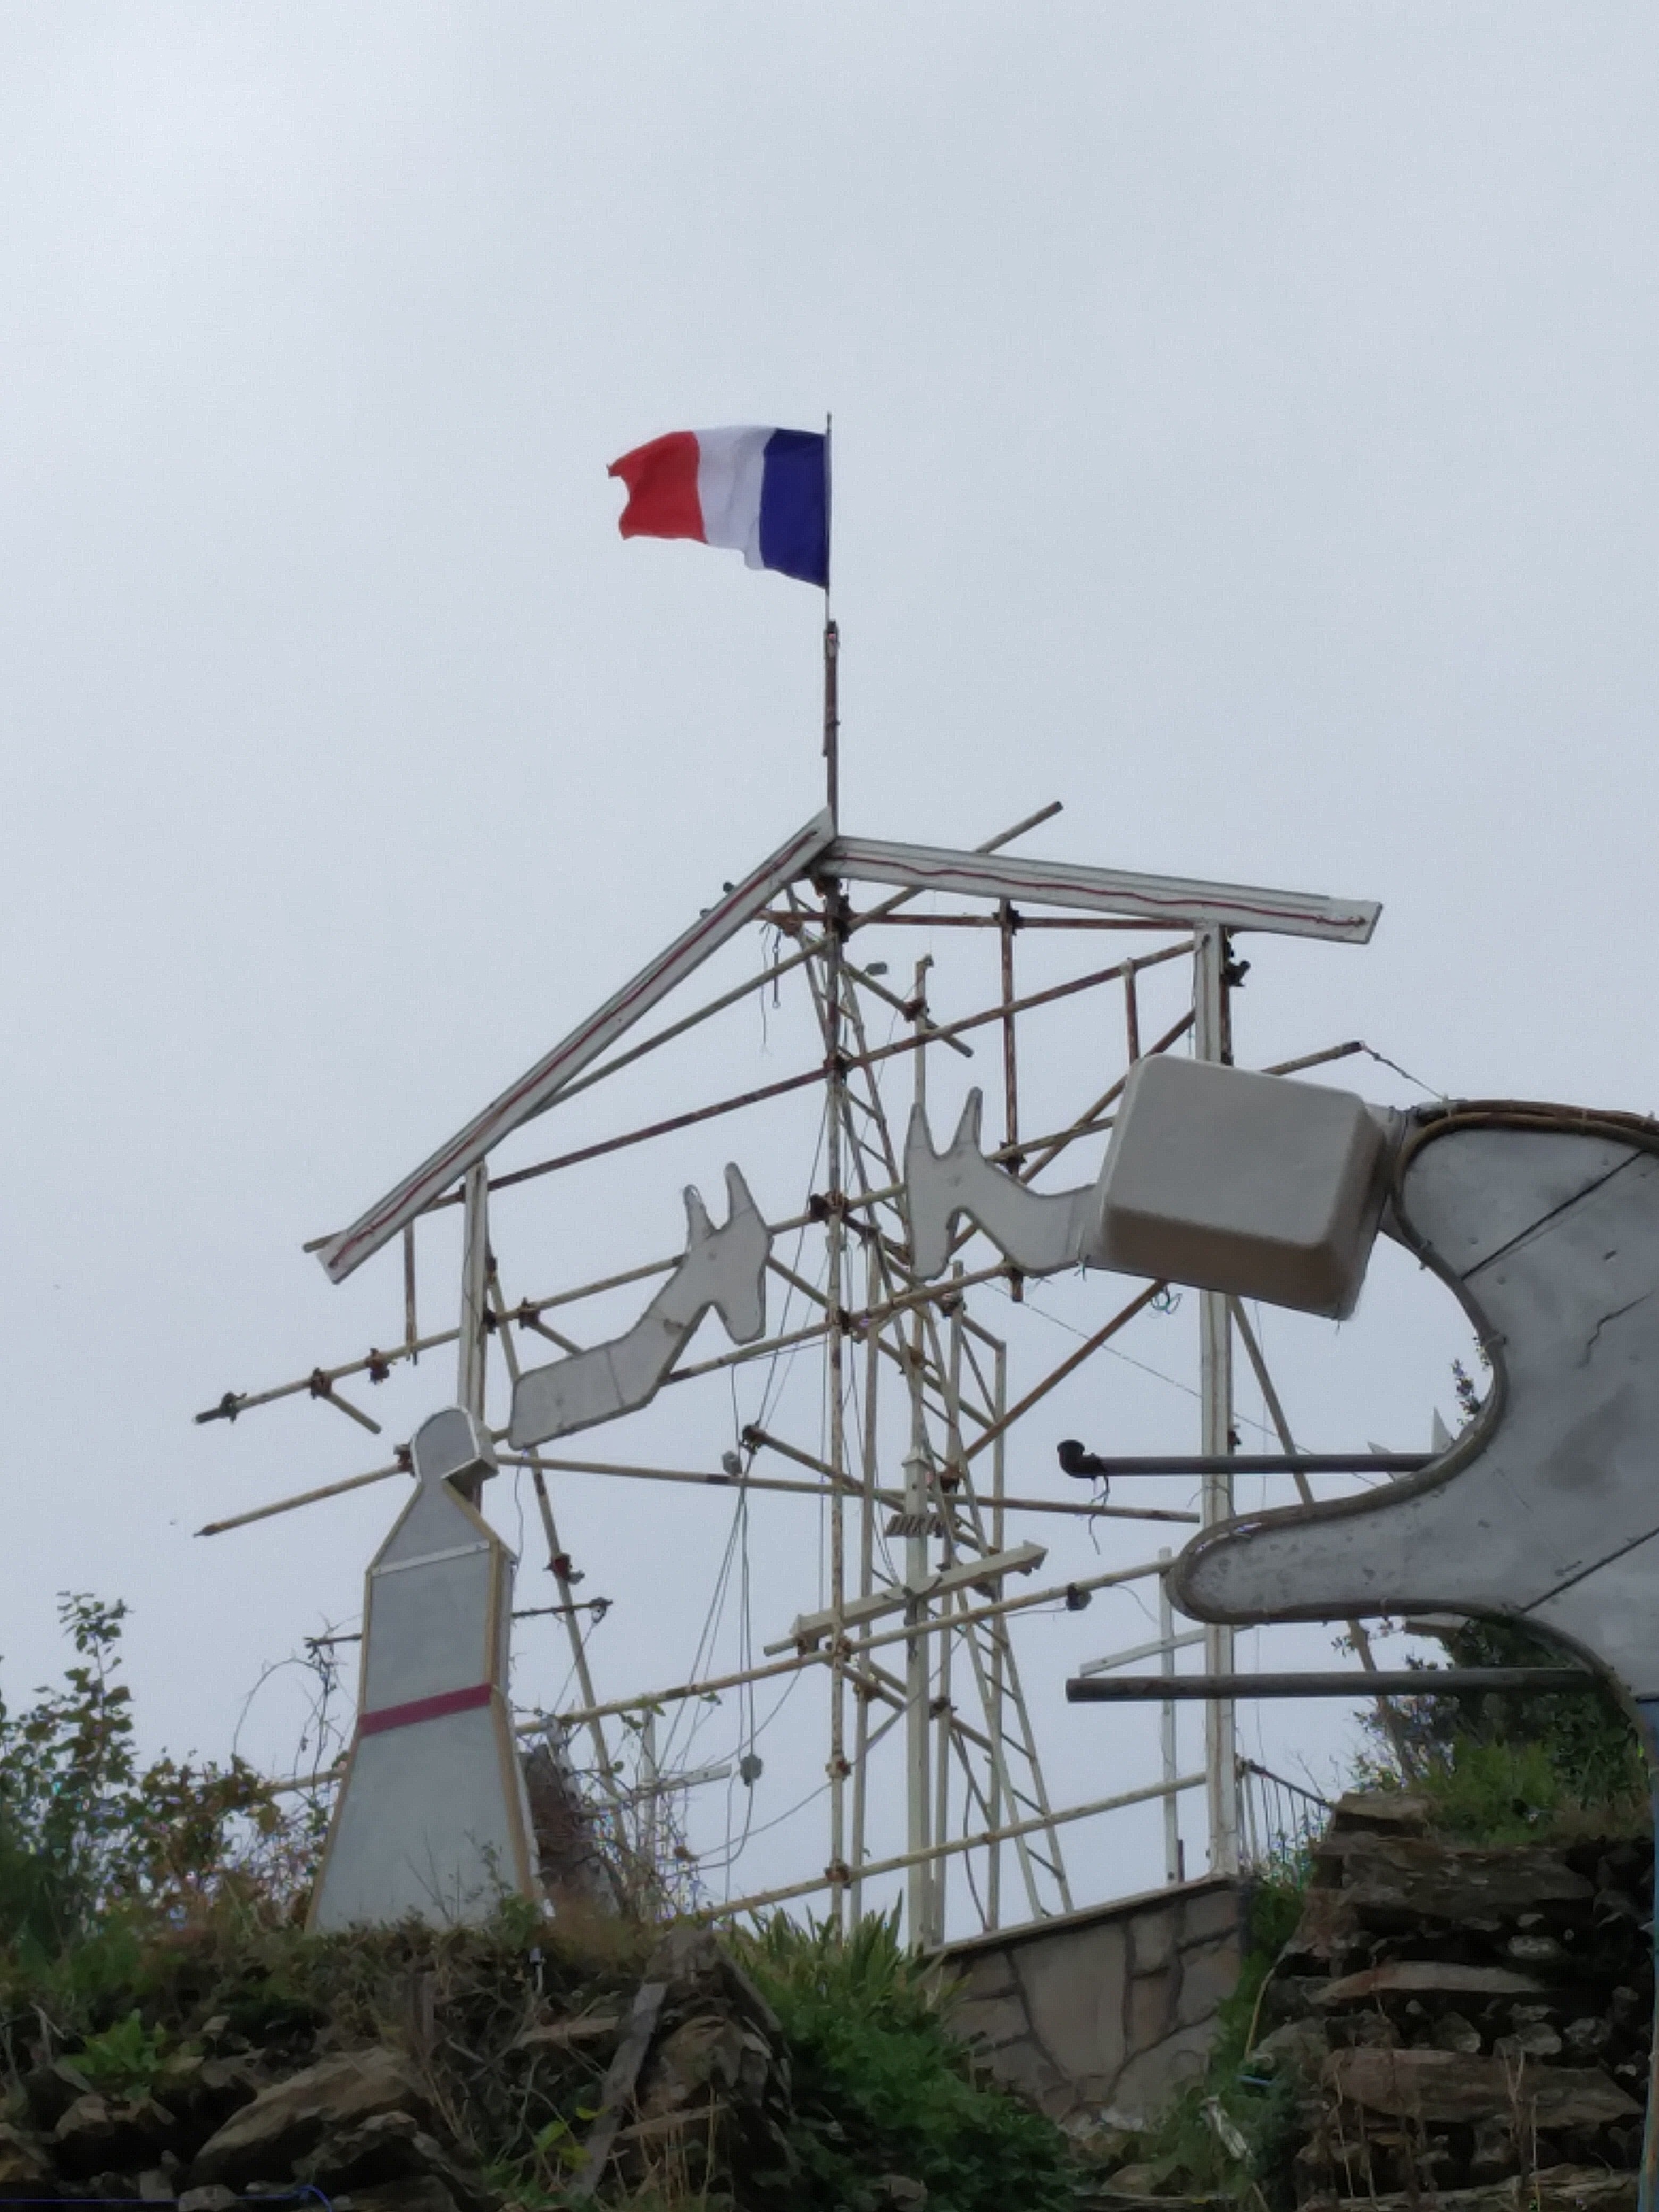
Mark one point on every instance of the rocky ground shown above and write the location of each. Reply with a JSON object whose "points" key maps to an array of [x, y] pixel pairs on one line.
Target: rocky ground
{"points": [[1463, 2026], [684, 2074]]}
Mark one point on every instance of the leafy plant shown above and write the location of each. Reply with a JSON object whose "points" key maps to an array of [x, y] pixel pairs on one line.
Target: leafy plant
{"points": [[1506, 1766], [126, 2057], [91, 1837], [882, 2088]]}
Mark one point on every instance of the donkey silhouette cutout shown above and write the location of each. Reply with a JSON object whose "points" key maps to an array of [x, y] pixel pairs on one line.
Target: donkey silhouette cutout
{"points": [[724, 1269]]}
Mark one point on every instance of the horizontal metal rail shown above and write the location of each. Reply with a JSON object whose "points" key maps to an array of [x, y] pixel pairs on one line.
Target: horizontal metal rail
{"points": [[1396, 1682], [1194, 1463], [870, 1870]]}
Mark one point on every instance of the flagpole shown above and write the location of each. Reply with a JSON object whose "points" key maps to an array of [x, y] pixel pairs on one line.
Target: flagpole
{"points": [[831, 658], [831, 719]]}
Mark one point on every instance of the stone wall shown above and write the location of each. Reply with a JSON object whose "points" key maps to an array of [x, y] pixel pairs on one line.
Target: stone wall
{"points": [[1100, 2015]]}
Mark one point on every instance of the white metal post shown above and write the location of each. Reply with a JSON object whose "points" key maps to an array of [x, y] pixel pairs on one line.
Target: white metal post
{"points": [[836, 1237], [999, 1538], [918, 1916], [474, 1283], [1166, 1633], [867, 1576], [1210, 1041], [650, 1798]]}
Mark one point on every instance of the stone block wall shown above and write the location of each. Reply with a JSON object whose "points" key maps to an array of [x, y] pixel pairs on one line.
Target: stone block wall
{"points": [[1100, 2015]]}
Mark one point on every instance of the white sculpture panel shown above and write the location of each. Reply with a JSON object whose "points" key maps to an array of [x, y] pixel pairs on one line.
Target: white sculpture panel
{"points": [[432, 1823]]}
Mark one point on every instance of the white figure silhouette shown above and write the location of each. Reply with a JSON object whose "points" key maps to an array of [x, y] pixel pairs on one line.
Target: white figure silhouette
{"points": [[432, 1822], [725, 1268], [1040, 1235]]}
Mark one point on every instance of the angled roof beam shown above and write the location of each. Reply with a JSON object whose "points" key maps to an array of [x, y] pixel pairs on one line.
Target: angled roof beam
{"points": [[1173, 901], [536, 1089]]}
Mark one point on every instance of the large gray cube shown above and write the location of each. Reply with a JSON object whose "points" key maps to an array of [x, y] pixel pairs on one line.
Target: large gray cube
{"points": [[1241, 1182]]}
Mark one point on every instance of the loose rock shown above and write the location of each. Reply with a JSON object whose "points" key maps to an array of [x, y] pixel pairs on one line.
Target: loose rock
{"points": [[266, 2139]]}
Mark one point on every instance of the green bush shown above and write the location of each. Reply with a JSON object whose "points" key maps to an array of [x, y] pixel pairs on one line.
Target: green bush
{"points": [[882, 2087], [94, 1842], [1509, 1767]]}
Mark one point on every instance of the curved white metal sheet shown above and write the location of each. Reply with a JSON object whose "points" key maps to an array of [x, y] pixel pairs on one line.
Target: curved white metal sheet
{"points": [[1548, 1509]]}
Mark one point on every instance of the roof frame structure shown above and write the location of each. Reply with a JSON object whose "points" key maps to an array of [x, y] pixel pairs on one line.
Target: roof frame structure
{"points": [[814, 850], [1160, 902]]}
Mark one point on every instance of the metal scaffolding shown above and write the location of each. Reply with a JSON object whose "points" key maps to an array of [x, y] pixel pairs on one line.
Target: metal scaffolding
{"points": [[931, 1564]]}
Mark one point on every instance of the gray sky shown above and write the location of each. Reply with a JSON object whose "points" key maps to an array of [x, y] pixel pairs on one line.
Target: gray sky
{"points": [[1244, 433]]}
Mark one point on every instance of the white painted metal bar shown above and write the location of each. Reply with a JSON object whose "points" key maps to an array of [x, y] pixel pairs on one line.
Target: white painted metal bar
{"points": [[537, 1088], [869, 1459], [835, 1134], [1074, 1508], [987, 1567], [997, 1700], [472, 1366], [1211, 1042], [303, 1497], [1175, 901], [1153, 1650], [939, 1623], [918, 1654], [1166, 1722], [951, 1846]]}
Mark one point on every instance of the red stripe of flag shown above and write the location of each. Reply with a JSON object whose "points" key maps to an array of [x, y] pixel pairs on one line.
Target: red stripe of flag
{"points": [[662, 488]]}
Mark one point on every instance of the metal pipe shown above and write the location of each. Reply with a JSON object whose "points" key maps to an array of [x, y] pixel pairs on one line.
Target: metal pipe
{"points": [[957, 1843], [1212, 1041], [1315, 1059], [1395, 1682], [788, 1083], [1078, 1509], [1237, 1463], [1166, 1630], [938, 1623], [305, 1498], [990, 921]]}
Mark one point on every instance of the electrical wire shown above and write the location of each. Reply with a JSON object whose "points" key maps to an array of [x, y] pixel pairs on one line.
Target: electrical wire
{"points": [[1188, 1390]]}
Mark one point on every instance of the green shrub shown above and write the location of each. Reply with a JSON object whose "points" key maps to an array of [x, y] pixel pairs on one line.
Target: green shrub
{"points": [[882, 2087], [1510, 1767], [92, 1840]]}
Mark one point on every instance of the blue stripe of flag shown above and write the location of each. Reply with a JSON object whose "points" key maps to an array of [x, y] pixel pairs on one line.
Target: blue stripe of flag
{"points": [[794, 517]]}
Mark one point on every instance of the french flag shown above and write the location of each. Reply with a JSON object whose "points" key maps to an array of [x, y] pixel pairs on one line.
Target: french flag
{"points": [[763, 492]]}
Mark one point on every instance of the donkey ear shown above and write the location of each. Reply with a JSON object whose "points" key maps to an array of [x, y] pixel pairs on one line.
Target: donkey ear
{"points": [[698, 1227], [968, 1126], [738, 1198], [918, 1137]]}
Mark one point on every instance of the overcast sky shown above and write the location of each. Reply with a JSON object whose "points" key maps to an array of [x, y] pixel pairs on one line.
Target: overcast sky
{"points": [[1244, 433]]}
